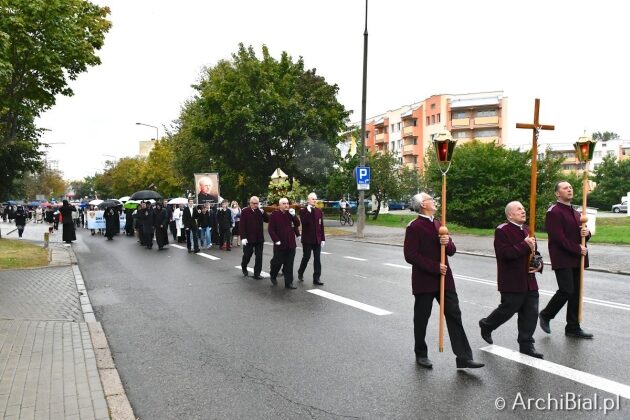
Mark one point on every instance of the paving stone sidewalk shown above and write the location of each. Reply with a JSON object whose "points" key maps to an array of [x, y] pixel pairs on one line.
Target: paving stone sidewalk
{"points": [[49, 362]]}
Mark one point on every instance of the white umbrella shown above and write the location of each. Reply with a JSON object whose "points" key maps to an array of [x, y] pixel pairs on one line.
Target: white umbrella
{"points": [[95, 202], [178, 200], [124, 199]]}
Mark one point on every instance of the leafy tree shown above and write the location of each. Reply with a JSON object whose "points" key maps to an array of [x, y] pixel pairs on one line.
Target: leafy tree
{"points": [[385, 182], [43, 45], [605, 136], [48, 182], [612, 180], [160, 171], [252, 115]]}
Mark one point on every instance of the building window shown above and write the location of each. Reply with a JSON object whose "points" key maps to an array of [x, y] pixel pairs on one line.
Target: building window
{"points": [[428, 120], [432, 119], [397, 126], [438, 118], [459, 115], [487, 113], [460, 134], [432, 106], [486, 133]]}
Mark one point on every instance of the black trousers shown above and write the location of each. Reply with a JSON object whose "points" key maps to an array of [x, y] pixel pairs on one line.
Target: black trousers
{"points": [[147, 234], [306, 256], [568, 292], [250, 249], [523, 304], [192, 236], [453, 317], [284, 259], [161, 236], [173, 227]]}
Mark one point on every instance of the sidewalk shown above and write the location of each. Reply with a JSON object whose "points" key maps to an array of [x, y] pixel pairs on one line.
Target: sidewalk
{"points": [[54, 359], [606, 258]]}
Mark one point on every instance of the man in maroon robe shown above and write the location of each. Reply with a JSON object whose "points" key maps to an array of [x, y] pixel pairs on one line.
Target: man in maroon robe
{"points": [[565, 250], [422, 251], [282, 229], [252, 238], [313, 238], [516, 280]]}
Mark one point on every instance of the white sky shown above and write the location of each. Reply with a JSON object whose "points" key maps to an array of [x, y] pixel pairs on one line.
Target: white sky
{"points": [[569, 54]]}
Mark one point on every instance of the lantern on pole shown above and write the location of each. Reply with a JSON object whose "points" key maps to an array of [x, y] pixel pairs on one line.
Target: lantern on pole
{"points": [[444, 146], [584, 149]]}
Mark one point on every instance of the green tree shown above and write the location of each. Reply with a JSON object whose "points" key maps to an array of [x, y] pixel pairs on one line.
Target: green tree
{"points": [[605, 136], [252, 115], [612, 181], [385, 182], [43, 45], [123, 178], [160, 171], [48, 182]]}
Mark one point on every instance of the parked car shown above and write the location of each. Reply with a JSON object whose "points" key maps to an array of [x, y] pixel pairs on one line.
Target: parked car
{"points": [[397, 205], [620, 208]]}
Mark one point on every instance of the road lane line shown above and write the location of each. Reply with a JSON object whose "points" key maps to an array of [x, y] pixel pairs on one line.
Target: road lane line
{"points": [[355, 258], [178, 246], [587, 379], [208, 256], [268, 243], [251, 270], [364, 307], [406, 267], [324, 252]]}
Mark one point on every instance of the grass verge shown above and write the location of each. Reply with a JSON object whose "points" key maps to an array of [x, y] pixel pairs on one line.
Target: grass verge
{"points": [[18, 254]]}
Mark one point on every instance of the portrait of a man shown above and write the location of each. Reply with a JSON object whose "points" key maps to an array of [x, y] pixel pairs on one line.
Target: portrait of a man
{"points": [[207, 188]]}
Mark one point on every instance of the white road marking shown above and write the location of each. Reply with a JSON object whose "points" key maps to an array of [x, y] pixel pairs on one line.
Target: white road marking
{"points": [[268, 243], [208, 256], [355, 258], [251, 270], [587, 379], [364, 307], [325, 253], [406, 267], [178, 246]]}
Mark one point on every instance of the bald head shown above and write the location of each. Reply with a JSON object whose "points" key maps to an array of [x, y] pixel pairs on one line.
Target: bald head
{"points": [[515, 212]]}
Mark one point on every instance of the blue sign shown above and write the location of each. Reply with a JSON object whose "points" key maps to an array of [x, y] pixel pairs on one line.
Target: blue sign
{"points": [[362, 175]]}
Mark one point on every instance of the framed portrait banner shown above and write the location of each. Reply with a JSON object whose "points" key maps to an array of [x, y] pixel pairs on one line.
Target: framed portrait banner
{"points": [[207, 188]]}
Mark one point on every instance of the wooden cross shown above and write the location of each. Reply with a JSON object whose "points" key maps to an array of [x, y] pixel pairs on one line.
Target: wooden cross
{"points": [[535, 127]]}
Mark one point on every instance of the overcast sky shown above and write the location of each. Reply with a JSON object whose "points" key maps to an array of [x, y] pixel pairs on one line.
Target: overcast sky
{"points": [[569, 54]]}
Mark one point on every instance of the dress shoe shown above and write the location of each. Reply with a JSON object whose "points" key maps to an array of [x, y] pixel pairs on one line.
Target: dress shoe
{"points": [[486, 334], [578, 334], [463, 363], [317, 282], [244, 272], [273, 280], [300, 277], [290, 286], [196, 251], [532, 352], [257, 278], [424, 362], [544, 324]]}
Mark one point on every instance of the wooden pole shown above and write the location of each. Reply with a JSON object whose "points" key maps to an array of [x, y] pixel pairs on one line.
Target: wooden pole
{"points": [[534, 177], [443, 231], [583, 220]]}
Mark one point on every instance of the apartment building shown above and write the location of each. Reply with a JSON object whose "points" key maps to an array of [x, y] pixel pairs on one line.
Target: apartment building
{"points": [[407, 132]]}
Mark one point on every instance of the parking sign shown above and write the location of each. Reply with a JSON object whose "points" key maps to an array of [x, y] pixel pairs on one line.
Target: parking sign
{"points": [[362, 175]]}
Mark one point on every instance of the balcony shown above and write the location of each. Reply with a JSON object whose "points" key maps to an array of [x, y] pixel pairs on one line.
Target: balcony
{"points": [[408, 149], [460, 122], [487, 120], [380, 138], [407, 131], [491, 139]]}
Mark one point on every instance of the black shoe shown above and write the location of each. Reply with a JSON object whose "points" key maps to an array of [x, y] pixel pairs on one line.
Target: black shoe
{"points": [[486, 334], [317, 282], [273, 280], [245, 273], [190, 251], [290, 286], [532, 352], [257, 277], [544, 324], [578, 334], [300, 277], [196, 251], [424, 362], [462, 363]]}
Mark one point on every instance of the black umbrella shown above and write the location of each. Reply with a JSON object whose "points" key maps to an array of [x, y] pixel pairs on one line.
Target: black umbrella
{"points": [[109, 203], [145, 195]]}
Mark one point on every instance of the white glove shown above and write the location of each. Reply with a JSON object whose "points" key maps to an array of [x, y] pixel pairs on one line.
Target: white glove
{"points": [[292, 211], [278, 243], [309, 208], [244, 242], [261, 210], [323, 243]]}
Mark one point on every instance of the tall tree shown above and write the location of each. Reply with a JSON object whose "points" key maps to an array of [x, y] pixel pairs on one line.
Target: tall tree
{"points": [[160, 171], [252, 115], [612, 181], [605, 136], [43, 45]]}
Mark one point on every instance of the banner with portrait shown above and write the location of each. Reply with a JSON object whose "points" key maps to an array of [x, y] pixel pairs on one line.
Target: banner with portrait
{"points": [[207, 188], [95, 219]]}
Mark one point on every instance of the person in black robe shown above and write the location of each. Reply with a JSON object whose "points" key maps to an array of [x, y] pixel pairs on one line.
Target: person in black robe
{"points": [[129, 222], [145, 218], [112, 223], [68, 234], [160, 223]]}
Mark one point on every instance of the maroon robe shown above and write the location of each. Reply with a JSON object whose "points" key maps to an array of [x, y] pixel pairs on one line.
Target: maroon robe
{"points": [[283, 228], [251, 225], [422, 251], [513, 259], [312, 226], [562, 224]]}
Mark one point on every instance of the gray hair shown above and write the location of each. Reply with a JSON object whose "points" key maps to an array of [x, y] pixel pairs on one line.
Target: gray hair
{"points": [[253, 197], [312, 195], [283, 200], [416, 201], [510, 206]]}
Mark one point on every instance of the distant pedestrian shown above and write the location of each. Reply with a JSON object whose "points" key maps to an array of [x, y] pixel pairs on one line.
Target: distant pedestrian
{"points": [[282, 229], [236, 216], [190, 219], [313, 239], [145, 217], [67, 221], [160, 223], [205, 233], [252, 236], [112, 223], [20, 220], [225, 222]]}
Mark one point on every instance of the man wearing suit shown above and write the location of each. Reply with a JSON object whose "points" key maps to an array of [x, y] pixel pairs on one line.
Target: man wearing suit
{"points": [[252, 237], [516, 280], [565, 250], [282, 229], [313, 238], [422, 251], [189, 218]]}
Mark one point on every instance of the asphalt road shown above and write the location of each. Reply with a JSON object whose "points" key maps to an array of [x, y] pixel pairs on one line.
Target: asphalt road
{"points": [[193, 338]]}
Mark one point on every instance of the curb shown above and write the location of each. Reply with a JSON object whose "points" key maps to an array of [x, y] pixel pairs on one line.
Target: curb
{"points": [[480, 254], [117, 401]]}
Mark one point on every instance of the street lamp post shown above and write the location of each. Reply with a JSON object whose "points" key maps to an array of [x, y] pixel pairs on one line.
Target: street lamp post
{"points": [[157, 132], [444, 146], [584, 148], [361, 204]]}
